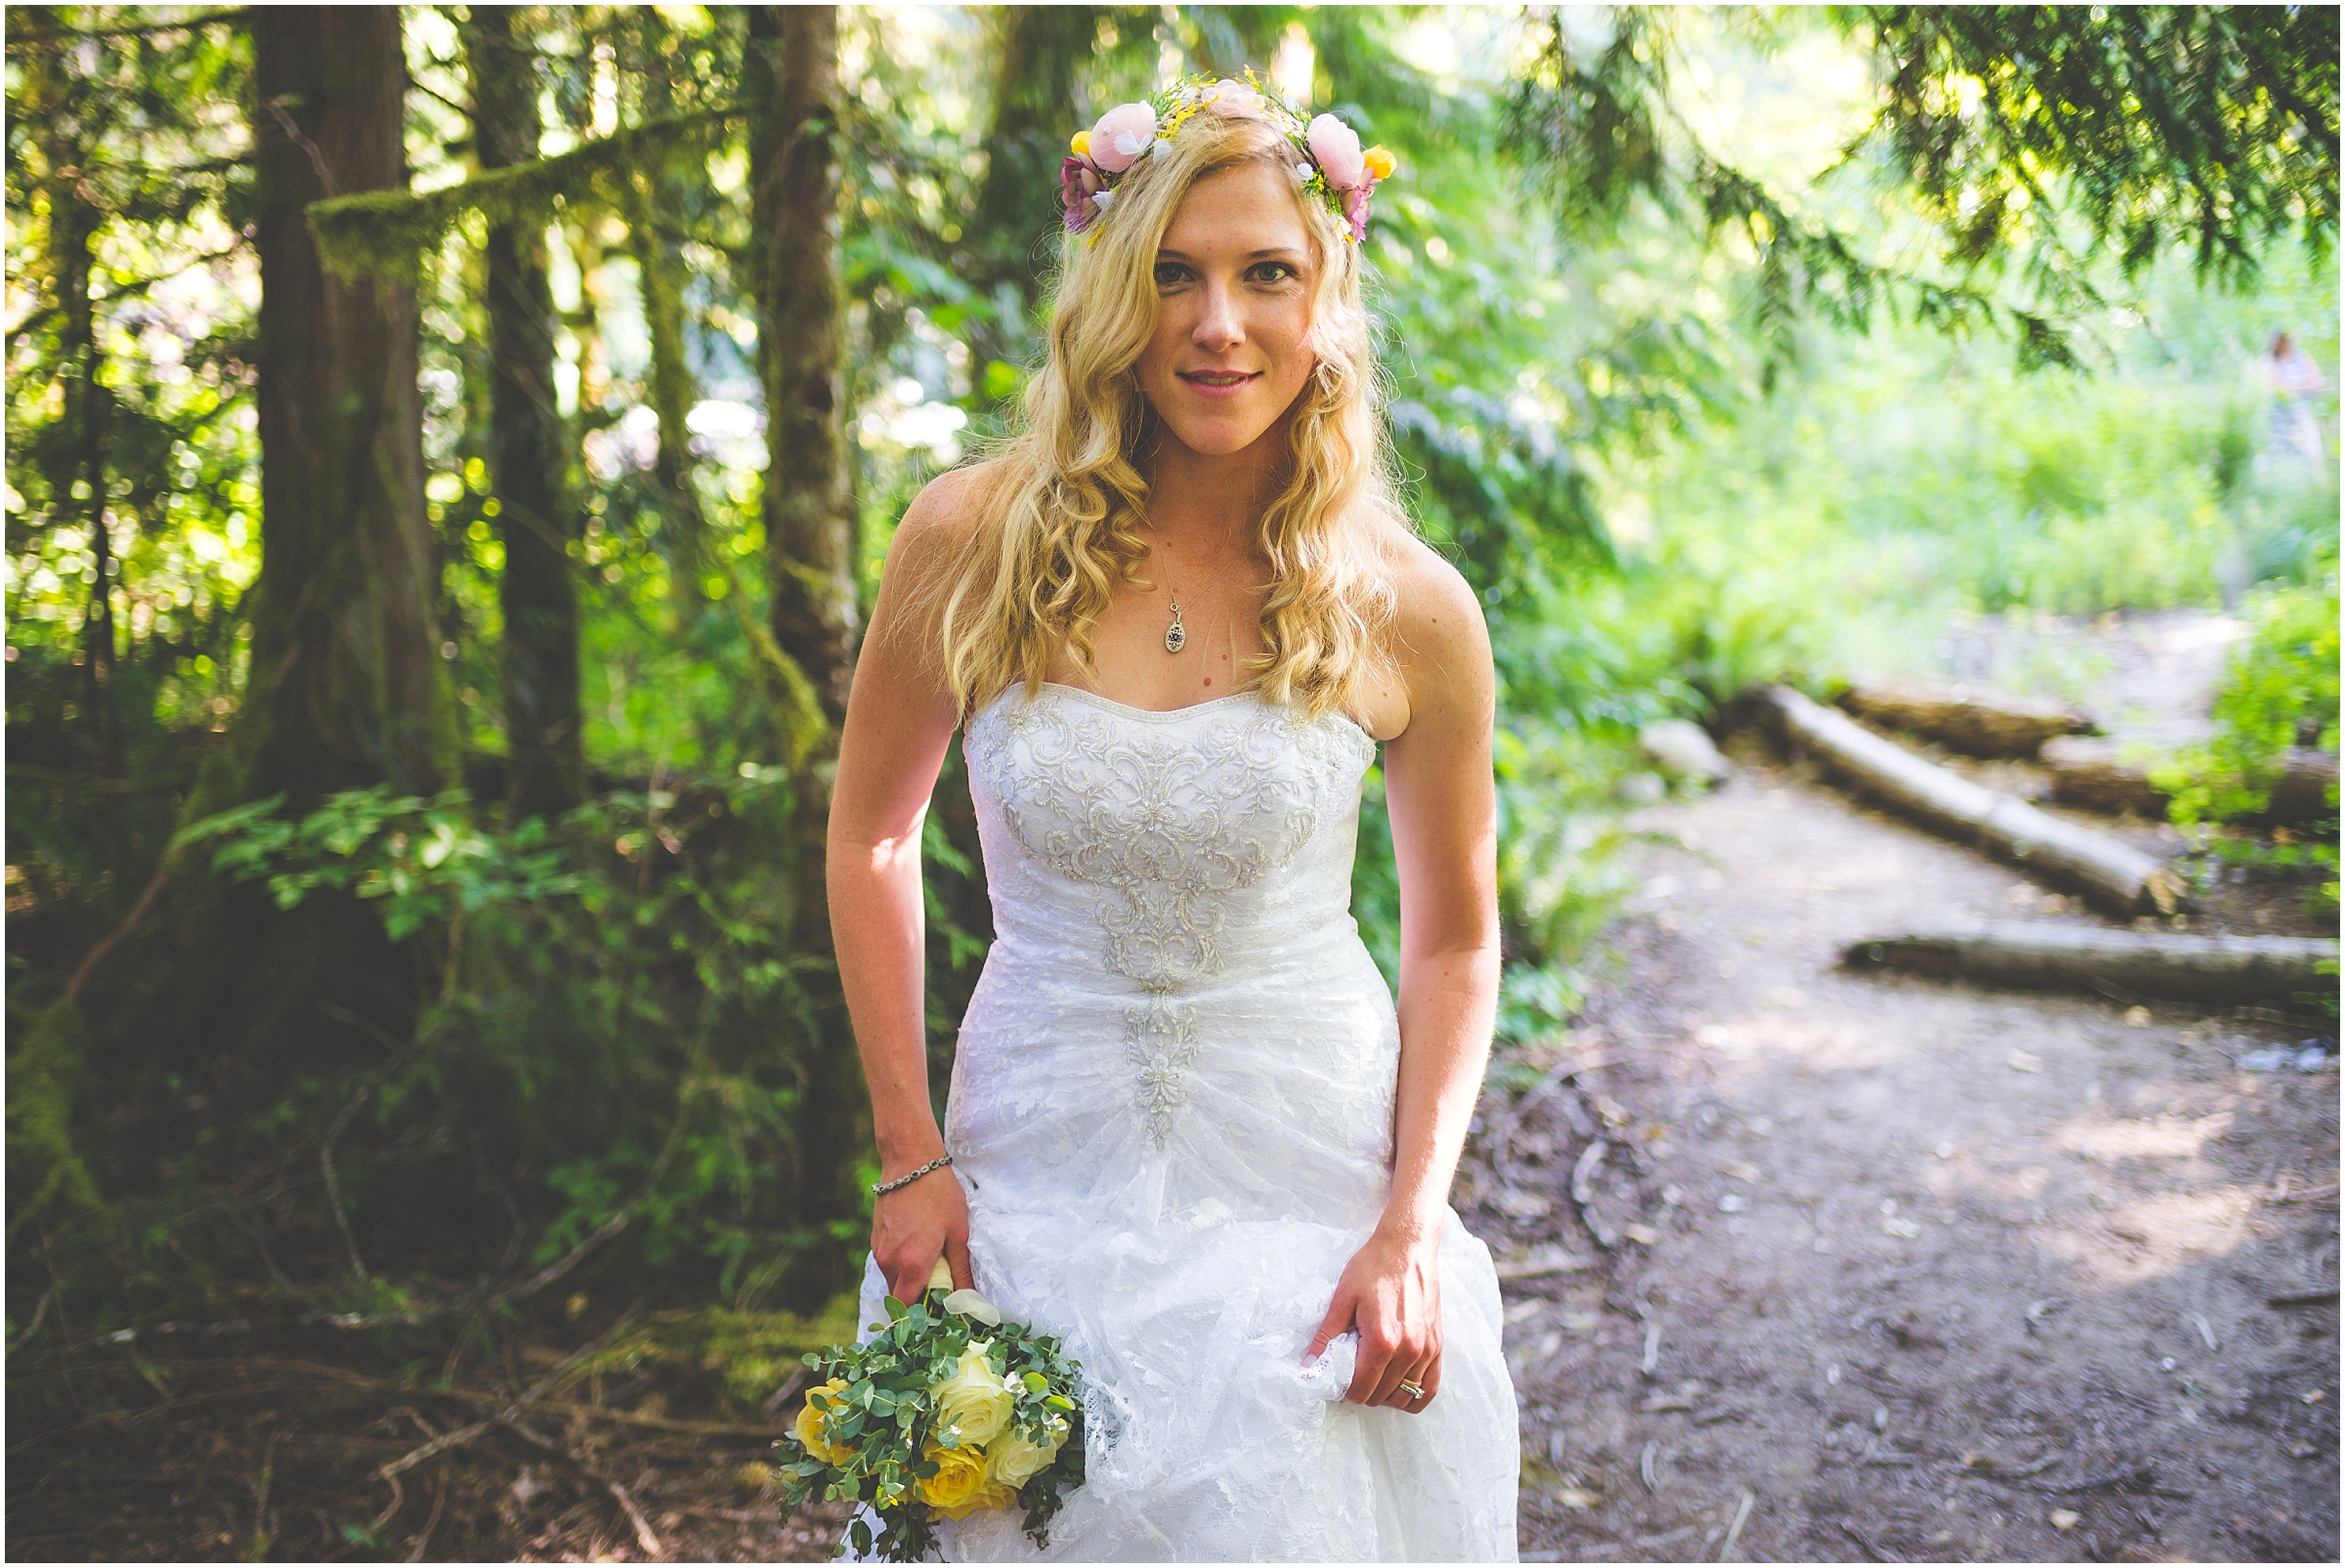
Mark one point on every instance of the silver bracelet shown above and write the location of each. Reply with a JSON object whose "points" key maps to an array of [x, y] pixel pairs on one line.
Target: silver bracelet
{"points": [[881, 1189]]}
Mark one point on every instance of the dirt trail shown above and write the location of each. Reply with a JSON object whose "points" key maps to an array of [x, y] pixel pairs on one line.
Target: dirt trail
{"points": [[1929, 1273]]}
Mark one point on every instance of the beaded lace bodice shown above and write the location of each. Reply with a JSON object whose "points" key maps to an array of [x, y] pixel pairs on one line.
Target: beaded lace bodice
{"points": [[1172, 842]]}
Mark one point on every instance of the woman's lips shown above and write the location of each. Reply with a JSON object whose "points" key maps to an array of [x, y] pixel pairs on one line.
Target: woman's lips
{"points": [[1219, 383]]}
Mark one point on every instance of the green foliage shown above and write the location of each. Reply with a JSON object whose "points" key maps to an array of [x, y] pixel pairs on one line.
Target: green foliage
{"points": [[428, 861], [1609, 401], [2281, 691], [2212, 126]]}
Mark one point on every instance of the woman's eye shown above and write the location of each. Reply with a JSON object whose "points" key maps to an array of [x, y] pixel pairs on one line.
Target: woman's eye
{"points": [[1273, 273], [1169, 274]]}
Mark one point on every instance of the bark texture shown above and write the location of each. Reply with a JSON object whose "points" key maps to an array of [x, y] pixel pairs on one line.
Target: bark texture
{"points": [[346, 685], [789, 80], [347, 689], [792, 80], [529, 448], [1975, 722], [2221, 971], [2115, 876]]}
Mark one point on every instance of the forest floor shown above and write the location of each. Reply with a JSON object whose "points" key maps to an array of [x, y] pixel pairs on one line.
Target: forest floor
{"points": [[1898, 1269], [1902, 1269]]}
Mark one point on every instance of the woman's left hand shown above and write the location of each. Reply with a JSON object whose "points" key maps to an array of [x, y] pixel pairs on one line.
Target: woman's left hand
{"points": [[1390, 1292]]}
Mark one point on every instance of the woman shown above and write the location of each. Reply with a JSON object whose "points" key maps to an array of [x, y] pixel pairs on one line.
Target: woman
{"points": [[1188, 1131]]}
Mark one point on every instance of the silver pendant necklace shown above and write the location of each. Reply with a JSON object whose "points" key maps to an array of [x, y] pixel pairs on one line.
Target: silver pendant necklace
{"points": [[1175, 638]]}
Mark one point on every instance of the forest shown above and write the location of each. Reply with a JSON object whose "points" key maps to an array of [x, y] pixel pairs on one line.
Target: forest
{"points": [[451, 451]]}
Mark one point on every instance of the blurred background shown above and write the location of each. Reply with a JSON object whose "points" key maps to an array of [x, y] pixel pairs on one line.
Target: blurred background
{"points": [[449, 453]]}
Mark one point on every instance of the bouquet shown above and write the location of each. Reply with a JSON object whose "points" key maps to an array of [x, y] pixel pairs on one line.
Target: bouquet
{"points": [[947, 1412]]}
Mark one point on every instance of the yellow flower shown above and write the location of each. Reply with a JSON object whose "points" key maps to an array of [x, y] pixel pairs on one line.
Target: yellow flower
{"points": [[1082, 144], [1379, 163], [974, 1401], [959, 1487], [810, 1423], [1014, 1458]]}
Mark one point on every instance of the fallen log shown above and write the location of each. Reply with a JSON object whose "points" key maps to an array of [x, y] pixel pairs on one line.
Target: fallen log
{"points": [[2306, 790], [2221, 971], [1972, 720], [2113, 875], [2095, 775]]}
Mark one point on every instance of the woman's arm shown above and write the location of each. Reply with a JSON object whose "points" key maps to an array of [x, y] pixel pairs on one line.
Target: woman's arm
{"points": [[900, 719], [1437, 788]]}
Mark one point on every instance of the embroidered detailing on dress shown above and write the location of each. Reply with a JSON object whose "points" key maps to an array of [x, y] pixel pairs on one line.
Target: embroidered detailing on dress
{"points": [[1160, 1041], [1165, 816]]}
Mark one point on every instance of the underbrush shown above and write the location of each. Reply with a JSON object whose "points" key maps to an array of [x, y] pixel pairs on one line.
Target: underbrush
{"points": [[2280, 692]]}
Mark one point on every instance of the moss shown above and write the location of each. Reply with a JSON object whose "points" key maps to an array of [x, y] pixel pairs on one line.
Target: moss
{"points": [[44, 1073], [389, 231], [750, 1354]]}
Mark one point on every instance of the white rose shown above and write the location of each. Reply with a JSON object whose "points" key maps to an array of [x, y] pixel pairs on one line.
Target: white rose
{"points": [[974, 1402], [1015, 1459]]}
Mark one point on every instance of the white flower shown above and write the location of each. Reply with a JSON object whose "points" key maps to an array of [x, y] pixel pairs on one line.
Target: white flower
{"points": [[1101, 199], [969, 1304], [1161, 147]]}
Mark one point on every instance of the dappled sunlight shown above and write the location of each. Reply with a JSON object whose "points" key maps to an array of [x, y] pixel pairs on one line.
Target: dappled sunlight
{"points": [[2103, 1137]]}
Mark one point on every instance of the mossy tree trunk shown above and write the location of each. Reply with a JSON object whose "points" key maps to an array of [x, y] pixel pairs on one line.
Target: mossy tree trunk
{"points": [[654, 231], [528, 446], [346, 689], [789, 80], [792, 79]]}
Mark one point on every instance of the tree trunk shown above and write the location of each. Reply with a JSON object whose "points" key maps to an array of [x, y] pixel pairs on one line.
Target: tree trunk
{"points": [[2218, 971], [529, 453], [346, 686], [62, 108], [790, 79], [347, 689], [2115, 876], [1975, 722], [655, 192]]}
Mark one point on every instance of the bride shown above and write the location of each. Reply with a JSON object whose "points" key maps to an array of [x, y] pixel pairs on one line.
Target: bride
{"points": [[1189, 1130]]}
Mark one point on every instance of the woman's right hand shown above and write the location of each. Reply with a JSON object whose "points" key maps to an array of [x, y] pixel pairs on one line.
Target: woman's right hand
{"points": [[913, 1226]]}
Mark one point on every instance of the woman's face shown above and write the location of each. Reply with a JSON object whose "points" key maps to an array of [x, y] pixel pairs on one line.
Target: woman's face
{"points": [[1234, 277]]}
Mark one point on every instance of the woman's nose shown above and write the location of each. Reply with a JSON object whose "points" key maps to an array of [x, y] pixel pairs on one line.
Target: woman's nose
{"points": [[1219, 326]]}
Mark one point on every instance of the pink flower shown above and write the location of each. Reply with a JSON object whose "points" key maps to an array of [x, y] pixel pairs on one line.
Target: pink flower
{"points": [[1335, 146], [1355, 211], [1232, 100], [1078, 183], [1122, 135]]}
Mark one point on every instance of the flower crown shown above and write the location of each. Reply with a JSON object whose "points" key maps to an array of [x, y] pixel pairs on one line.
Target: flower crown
{"points": [[1334, 169]]}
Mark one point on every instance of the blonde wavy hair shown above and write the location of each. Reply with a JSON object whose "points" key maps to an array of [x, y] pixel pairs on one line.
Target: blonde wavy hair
{"points": [[1070, 497]]}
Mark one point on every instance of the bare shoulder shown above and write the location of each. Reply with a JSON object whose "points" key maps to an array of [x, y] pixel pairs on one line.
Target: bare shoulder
{"points": [[1439, 640], [946, 519]]}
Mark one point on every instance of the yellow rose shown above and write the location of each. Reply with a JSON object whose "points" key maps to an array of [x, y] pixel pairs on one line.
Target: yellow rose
{"points": [[1014, 1458], [974, 1401], [959, 1487], [1082, 144], [809, 1426], [1379, 163]]}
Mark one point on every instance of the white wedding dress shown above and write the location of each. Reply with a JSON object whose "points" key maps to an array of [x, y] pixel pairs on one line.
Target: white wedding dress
{"points": [[1173, 1115]]}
